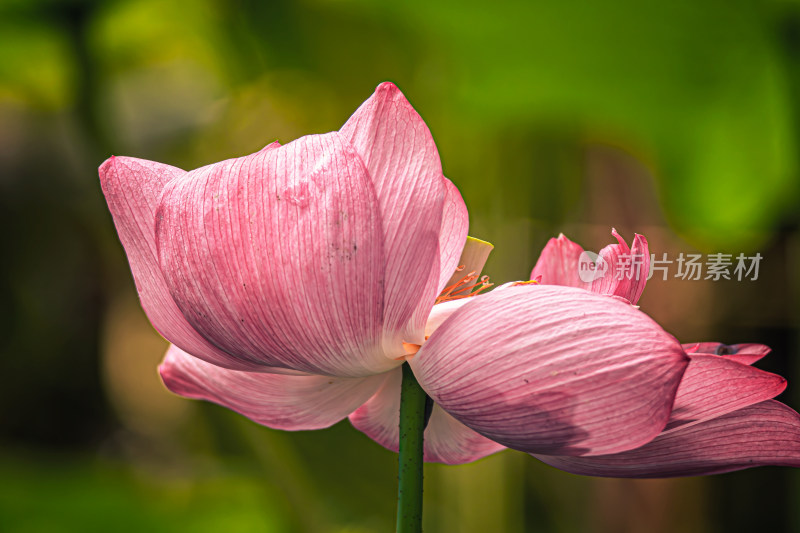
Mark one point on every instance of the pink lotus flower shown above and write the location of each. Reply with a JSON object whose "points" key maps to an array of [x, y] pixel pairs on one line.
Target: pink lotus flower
{"points": [[625, 272], [724, 417], [294, 282]]}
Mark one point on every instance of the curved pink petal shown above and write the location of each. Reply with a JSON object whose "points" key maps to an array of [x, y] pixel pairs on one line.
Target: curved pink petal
{"points": [[277, 257], [453, 235], [627, 268], [640, 268], [446, 440], [558, 264], [713, 386], [276, 401], [625, 273], [442, 312], [398, 150], [132, 188], [743, 353], [767, 433], [553, 370]]}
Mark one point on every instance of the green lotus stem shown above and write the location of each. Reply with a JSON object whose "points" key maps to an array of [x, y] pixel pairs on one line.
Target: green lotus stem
{"points": [[415, 408]]}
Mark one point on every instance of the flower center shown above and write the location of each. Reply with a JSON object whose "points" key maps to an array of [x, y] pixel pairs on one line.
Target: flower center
{"points": [[465, 287]]}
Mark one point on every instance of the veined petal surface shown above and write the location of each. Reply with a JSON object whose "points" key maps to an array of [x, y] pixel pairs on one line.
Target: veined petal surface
{"points": [[403, 163], [132, 188], [278, 257], [442, 312], [554, 370], [713, 386], [628, 268], [558, 264], [767, 433], [625, 274], [446, 440], [272, 400], [453, 235]]}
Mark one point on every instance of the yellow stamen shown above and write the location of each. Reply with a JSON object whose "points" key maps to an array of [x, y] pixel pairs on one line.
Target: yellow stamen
{"points": [[464, 288]]}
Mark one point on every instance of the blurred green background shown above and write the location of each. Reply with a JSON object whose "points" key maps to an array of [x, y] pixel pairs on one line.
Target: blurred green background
{"points": [[678, 120]]}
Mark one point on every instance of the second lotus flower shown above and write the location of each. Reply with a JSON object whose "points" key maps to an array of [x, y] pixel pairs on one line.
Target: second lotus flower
{"points": [[294, 282], [723, 418]]}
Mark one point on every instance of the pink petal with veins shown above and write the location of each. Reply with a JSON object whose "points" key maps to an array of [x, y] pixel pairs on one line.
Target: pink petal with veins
{"points": [[558, 264], [276, 401], [132, 188], [627, 268], [553, 370], [403, 163], [767, 433], [442, 312], [278, 257], [626, 271], [713, 386], [453, 235]]}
